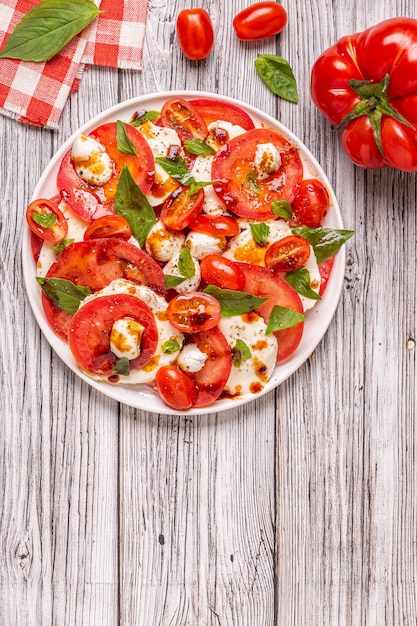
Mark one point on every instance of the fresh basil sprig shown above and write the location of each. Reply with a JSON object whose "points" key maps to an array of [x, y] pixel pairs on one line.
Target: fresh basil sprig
{"points": [[124, 144], [325, 241], [47, 28], [133, 205], [278, 76], [145, 116], [198, 147], [234, 302], [281, 318], [186, 268], [300, 281], [63, 293], [260, 232], [46, 220], [281, 208], [177, 168]]}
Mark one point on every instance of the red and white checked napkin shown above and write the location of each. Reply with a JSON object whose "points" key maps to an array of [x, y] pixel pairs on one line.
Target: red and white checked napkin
{"points": [[36, 93]]}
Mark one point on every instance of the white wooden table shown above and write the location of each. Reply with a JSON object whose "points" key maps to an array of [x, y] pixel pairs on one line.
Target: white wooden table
{"points": [[299, 509]]}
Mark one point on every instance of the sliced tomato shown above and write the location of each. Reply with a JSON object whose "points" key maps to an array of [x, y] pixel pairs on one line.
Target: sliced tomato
{"points": [[325, 269], [212, 377], [180, 115], [222, 272], [311, 203], [36, 244], [94, 264], [216, 225], [288, 254], [181, 208], [214, 110], [108, 226], [261, 281], [46, 220], [238, 186], [90, 331], [193, 311], [176, 388], [93, 201]]}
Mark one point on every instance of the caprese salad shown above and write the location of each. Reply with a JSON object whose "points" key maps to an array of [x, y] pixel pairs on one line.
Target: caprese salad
{"points": [[183, 250]]}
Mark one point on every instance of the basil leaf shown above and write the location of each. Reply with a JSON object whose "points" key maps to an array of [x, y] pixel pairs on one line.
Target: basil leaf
{"points": [[300, 281], [252, 182], [173, 281], [186, 266], [198, 146], [278, 76], [325, 241], [133, 205], [176, 168], [281, 318], [281, 208], [63, 293], [170, 346], [59, 247], [195, 186], [47, 28], [144, 116], [240, 352], [260, 233], [234, 302], [122, 366], [44, 219], [124, 144]]}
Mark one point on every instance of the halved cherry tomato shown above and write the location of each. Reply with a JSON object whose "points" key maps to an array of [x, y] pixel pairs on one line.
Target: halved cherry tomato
{"points": [[90, 329], [92, 201], [193, 311], [234, 169], [36, 244], [184, 118], [325, 269], [312, 203], [212, 377], [94, 264], [181, 208], [46, 220], [288, 254], [259, 21], [176, 388], [216, 225], [108, 226], [213, 110], [195, 33], [261, 281], [222, 272]]}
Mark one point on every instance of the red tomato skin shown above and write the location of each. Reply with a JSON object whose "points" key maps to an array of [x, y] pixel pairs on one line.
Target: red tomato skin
{"points": [[42, 206], [108, 226], [213, 110], [180, 115], [216, 225], [195, 33], [180, 209], [325, 269], [193, 311], [288, 254], [260, 21], [222, 272], [312, 203], [176, 388]]}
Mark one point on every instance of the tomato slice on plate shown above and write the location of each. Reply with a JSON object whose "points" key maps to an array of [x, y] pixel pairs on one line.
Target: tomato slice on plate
{"points": [[212, 377], [325, 269], [214, 110], [93, 201], [94, 264], [222, 272], [46, 220], [288, 254], [90, 331], [108, 226], [261, 281], [180, 115], [312, 202], [239, 186], [181, 208], [176, 388], [216, 225], [193, 311]]}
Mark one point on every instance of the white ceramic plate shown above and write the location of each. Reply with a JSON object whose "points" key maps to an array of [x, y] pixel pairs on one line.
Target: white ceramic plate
{"points": [[318, 318]]}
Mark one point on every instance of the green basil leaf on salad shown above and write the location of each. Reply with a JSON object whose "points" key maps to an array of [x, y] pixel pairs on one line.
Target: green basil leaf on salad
{"points": [[260, 232], [178, 169], [281, 318], [278, 76], [252, 182], [124, 144], [186, 266], [144, 116], [63, 293], [281, 208], [198, 147], [122, 366], [47, 28], [325, 241], [234, 302], [44, 219], [170, 346], [133, 205], [240, 352], [59, 247], [173, 281], [300, 281]]}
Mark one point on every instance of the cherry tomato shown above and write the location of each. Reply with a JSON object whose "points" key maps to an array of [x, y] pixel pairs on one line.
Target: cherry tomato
{"points": [[325, 269], [108, 226], [216, 225], [212, 377], [92, 201], [261, 281], [259, 21], [176, 388], [312, 203], [90, 330], [222, 272], [94, 264], [195, 33], [46, 220], [213, 110], [184, 118], [193, 311], [181, 208], [288, 254], [234, 169]]}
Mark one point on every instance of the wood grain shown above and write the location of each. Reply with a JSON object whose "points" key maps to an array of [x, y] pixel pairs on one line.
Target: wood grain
{"points": [[299, 509]]}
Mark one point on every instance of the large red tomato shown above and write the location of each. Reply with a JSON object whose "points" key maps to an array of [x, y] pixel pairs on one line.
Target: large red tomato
{"points": [[366, 83]]}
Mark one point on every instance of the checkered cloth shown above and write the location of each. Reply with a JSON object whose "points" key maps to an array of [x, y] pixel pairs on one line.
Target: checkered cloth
{"points": [[36, 93]]}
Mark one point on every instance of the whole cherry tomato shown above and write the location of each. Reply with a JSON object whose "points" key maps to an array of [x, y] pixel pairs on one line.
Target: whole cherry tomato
{"points": [[46, 220], [259, 21], [365, 83], [311, 203], [176, 388], [195, 33]]}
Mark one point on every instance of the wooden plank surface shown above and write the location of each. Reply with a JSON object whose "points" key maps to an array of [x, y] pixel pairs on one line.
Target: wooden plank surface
{"points": [[299, 509]]}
